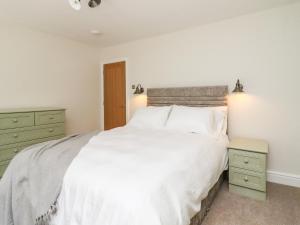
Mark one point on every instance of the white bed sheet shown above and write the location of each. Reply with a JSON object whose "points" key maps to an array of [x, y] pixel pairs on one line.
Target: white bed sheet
{"points": [[130, 176]]}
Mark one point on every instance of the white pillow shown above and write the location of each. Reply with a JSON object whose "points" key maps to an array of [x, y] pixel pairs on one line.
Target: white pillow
{"points": [[150, 117], [221, 115], [192, 119]]}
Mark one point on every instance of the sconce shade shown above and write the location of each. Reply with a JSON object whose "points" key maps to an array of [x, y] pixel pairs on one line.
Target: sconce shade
{"points": [[139, 90], [238, 87]]}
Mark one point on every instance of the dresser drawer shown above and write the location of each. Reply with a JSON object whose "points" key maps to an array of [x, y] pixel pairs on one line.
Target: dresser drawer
{"points": [[247, 179], [28, 134], [49, 131], [7, 152], [16, 135], [3, 166], [247, 160], [15, 120], [49, 117], [26, 144]]}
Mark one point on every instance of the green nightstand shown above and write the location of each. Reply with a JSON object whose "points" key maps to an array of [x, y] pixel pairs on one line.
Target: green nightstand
{"points": [[247, 167]]}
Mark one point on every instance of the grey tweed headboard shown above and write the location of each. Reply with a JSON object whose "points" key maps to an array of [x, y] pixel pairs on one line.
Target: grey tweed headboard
{"points": [[189, 96]]}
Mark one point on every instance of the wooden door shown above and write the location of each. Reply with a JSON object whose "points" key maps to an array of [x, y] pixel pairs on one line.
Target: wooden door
{"points": [[114, 77]]}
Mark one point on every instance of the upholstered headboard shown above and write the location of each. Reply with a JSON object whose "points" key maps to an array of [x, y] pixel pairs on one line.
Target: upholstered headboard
{"points": [[189, 96]]}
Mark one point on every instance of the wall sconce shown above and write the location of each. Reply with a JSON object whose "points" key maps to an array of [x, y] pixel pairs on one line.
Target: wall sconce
{"points": [[239, 88], [138, 89]]}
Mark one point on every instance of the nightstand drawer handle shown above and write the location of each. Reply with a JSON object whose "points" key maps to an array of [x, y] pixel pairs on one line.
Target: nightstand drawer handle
{"points": [[15, 120], [51, 130], [246, 179], [51, 118], [15, 135], [16, 151], [246, 161]]}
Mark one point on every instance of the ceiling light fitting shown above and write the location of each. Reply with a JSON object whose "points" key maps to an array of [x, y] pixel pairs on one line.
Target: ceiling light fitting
{"points": [[95, 32], [76, 4]]}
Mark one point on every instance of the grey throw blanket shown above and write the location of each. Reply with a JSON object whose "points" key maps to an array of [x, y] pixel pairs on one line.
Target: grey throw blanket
{"points": [[32, 182]]}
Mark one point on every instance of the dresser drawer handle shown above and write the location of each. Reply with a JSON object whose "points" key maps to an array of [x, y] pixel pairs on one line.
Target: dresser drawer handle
{"points": [[15, 120], [246, 179], [246, 161], [51, 118], [51, 130], [15, 135]]}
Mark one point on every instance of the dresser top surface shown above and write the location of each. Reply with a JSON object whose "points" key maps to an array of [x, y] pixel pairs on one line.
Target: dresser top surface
{"points": [[37, 109], [253, 145]]}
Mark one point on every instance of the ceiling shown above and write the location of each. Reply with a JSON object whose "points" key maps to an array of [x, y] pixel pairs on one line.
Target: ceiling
{"points": [[125, 20]]}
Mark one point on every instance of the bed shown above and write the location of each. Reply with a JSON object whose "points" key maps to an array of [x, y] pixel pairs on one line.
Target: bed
{"points": [[46, 190], [197, 97]]}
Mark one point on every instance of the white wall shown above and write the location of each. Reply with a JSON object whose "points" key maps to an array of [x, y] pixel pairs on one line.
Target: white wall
{"points": [[38, 69], [262, 49]]}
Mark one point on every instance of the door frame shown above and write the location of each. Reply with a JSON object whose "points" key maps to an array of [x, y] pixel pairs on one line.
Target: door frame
{"points": [[103, 62]]}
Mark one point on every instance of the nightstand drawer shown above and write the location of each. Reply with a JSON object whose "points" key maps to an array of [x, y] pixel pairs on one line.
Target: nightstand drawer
{"points": [[16, 120], [247, 160], [247, 179], [49, 117]]}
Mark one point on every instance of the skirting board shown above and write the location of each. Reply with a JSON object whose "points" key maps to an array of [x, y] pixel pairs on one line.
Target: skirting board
{"points": [[283, 178]]}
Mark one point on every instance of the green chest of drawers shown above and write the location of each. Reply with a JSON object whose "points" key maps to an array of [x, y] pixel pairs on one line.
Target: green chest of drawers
{"points": [[247, 167], [20, 128]]}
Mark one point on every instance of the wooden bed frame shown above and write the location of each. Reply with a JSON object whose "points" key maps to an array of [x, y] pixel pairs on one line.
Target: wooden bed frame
{"points": [[195, 97]]}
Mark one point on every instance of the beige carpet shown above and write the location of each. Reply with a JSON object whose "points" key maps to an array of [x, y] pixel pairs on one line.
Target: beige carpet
{"points": [[281, 208]]}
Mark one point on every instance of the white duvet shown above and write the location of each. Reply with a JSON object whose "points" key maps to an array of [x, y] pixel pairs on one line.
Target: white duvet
{"points": [[130, 176]]}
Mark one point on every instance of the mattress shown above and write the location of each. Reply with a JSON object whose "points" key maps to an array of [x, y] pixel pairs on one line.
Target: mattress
{"points": [[135, 176], [207, 202]]}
